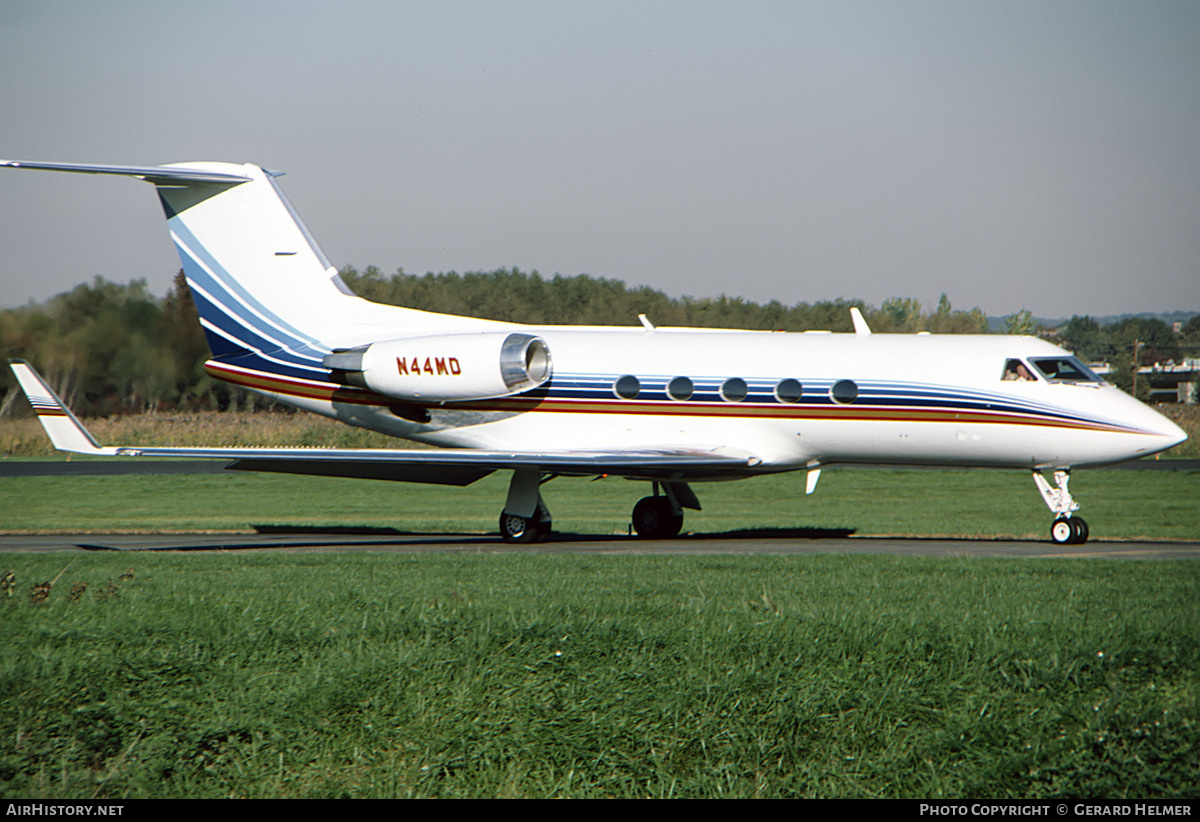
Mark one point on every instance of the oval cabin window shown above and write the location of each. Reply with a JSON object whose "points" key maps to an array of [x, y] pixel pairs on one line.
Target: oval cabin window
{"points": [[680, 388], [844, 392], [627, 387], [789, 390], [734, 389]]}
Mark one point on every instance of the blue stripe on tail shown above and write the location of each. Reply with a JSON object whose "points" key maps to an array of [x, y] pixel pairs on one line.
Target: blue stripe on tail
{"points": [[240, 329]]}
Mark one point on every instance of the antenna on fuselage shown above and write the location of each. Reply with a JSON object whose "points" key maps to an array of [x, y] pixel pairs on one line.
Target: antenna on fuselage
{"points": [[860, 325]]}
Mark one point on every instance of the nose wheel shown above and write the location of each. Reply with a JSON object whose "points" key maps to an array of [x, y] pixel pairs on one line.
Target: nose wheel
{"points": [[1066, 528], [1069, 531]]}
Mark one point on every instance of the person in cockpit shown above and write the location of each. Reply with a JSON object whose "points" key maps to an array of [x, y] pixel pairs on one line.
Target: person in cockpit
{"points": [[1016, 370]]}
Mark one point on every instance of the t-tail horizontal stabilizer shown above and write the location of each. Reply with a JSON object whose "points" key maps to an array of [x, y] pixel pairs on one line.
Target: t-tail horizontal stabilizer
{"points": [[159, 175]]}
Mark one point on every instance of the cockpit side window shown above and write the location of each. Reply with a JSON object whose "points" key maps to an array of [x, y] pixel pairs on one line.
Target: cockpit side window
{"points": [[1064, 369], [1017, 371]]}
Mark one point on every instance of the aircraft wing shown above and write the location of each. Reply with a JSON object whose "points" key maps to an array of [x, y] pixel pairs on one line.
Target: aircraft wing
{"points": [[459, 466], [446, 466]]}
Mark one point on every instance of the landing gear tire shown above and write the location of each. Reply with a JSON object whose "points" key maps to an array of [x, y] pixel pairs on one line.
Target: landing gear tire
{"points": [[1069, 531], [655, 518], [524, 530], [1061, 531], [1081, 528]]}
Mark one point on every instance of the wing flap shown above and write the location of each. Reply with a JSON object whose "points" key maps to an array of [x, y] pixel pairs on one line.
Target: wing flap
{"points": [[393, 471]]}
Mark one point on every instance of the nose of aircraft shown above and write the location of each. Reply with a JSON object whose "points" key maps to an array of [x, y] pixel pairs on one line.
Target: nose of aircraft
{"points": [[1172, 434], [1163, 432]]}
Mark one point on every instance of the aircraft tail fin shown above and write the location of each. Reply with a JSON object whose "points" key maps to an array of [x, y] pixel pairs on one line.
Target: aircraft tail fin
{"points": [[265, 292], [268, 298]]}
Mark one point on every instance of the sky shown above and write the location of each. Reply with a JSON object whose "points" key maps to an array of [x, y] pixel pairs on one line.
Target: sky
{"points": [[1010, 154]]}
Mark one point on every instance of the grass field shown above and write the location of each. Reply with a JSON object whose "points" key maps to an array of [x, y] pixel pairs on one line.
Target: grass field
{"points": [[987, 504], [385, 675], [586, 676], [25, 437]]}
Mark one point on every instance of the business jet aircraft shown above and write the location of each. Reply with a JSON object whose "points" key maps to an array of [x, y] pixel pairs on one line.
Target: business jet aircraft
{"points": [[671, 406]]}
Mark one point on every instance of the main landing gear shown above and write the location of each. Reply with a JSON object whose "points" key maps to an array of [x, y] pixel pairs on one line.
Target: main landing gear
{"points": [[657, 518], [526, 518], [516, 528], [1066, 528], [661, 516]]}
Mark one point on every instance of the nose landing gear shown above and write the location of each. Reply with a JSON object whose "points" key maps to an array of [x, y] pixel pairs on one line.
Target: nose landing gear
{"points": [[1066, 528], [1069, 531]]}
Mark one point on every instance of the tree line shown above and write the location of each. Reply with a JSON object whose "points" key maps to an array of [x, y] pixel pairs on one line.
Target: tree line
{"points": [[526, 297], [1129, 342], [108, 348]]}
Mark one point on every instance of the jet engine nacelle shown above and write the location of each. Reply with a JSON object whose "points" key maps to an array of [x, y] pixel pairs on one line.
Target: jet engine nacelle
{"points": [[446, 367]]}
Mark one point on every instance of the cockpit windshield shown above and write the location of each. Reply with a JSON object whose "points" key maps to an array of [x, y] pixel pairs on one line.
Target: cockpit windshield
{"points": [[1064, 369]]}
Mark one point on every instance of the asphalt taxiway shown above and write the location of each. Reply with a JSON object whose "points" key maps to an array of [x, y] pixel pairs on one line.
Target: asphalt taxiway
{"points": [[702, 544]]}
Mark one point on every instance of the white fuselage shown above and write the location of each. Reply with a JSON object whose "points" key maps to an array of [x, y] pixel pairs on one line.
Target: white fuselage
{"points": [[280, 321], [902, 399]]}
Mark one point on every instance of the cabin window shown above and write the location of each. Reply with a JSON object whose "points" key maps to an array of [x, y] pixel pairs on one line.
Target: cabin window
{"points": [[789, 390], [1064, 369], [627, 387], [1017, 371], [844, 392], [734, 389], [680, 388]]}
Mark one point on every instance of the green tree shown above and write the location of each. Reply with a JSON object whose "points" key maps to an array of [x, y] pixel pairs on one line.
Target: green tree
{"points": [[1020, 322], [901, 314], [183, 339], [1084, 337], [945, 320], [1155, 341], [1189, 338]]}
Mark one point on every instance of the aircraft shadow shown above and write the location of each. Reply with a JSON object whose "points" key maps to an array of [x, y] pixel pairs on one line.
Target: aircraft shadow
{"points": [[777, 533], [285, 537], [217, 544], [798, 532]]}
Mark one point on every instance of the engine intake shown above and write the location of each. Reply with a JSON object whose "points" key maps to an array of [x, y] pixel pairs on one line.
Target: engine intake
{"points": [[446, 367]]}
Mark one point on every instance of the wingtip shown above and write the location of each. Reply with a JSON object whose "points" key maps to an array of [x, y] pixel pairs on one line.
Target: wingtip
{"points": [[65, 430]]}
